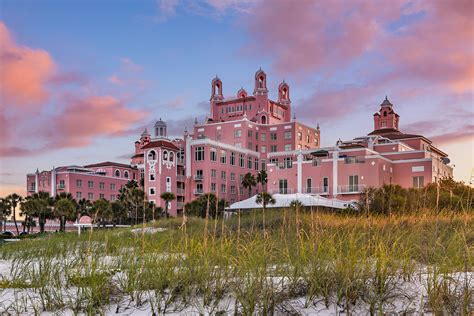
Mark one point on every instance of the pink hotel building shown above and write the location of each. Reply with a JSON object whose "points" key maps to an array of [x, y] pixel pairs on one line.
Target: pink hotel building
{"points": [[247, 133]]}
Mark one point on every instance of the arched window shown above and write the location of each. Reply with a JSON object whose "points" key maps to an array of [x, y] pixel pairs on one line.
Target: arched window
{"points": [[125, 174], [264, 120], [384, 113], [260, 82], [117, 173], [151, 155], [171, 156], [165, 155]]}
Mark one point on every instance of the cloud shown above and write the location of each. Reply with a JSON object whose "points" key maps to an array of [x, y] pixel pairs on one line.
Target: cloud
{"points": [[24, 72], [166, 9], [85, 118], [465, 132]]}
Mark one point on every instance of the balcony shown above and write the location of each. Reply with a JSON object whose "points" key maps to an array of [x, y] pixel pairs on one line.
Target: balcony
{"points": [[181, 178], [61, 186], [180, 205], [198, 177], [32, 189], [180, 192], [198, 191], [282, 191], [350, 189], [180, 162], [323, 190]]}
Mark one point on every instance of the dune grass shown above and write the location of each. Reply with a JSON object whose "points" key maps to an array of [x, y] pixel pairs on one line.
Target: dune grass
{"points": [[323, 260]]}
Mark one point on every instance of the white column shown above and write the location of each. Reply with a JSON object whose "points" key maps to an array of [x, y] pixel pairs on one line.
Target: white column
{"points": [[335, 156], [299, 171], [36, 181], [53, 183], [188, 156]]}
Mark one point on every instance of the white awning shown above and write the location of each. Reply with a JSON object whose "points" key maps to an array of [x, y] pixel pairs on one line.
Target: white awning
{"points": [[284, 200]]}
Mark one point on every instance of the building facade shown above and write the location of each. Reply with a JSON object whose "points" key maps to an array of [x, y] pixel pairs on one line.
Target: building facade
{"points": [[245, 134], [91, 182]]}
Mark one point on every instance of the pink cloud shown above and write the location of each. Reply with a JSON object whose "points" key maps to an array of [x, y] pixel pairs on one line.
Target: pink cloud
{"points": [[306, 36], [86, 118], [24, 71], [461, 134]]}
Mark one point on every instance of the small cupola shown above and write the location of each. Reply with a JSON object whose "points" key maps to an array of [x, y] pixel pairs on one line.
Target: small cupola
{"points": [[160, 129], [216, 93]]}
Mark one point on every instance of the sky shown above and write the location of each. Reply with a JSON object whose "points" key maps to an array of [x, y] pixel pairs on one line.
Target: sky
{"points": [[80, 80]]}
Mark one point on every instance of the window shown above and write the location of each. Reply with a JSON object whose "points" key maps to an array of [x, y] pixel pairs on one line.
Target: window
{"points": [[79, 183], [288, 147], [223, 156], [309, 185], [250, 146], [241, 191], [101, 185], [418, 182], [300, 136], [237, 133], [112, 186], [78, 195], [250, 133], [101, 196], [239, 145], [353, 183], [213, 173], [199, 153], [152, 191], [288, 135], [283, 186], [383, 124], [199, 174], [287, 162], [273, 136], [232, 176], [263, 149], [325, 184], [117, 173], [274, 161], [213, 187], [112, 197], [308, 139], [213, 154], [263, 136], [249, 162], [223, 175], [232, 189], [171, 156], [152, 177], [232, 159], [61, 184], [218, 135], [125, 174], [256, 164], [263, 162], [151, 155], [273, 148], [90, 184], [222, 188], [241, 161], [90, 196], [241, 178]]}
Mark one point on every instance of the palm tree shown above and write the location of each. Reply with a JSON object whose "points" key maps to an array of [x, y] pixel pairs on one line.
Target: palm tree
{"points": [[296, 204], [264, 198], [102, 209], [5, 210], [83, 207], [262, 178], [167, 197], [64, 209], [14, 200], [249, 182], [37, 205]]}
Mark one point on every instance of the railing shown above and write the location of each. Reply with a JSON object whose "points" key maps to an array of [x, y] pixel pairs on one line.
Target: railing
{"points": [[180, 205], [356, 159], [198, 177], [180, 178], [198, 191], [180, 191], [282, 191], [61, 186], [350, 189], [323, 190], [285, 165], [31, 189], [180, 162]]}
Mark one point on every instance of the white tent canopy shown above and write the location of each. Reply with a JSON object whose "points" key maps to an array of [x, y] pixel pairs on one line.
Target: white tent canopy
{"points": [[284, 200]]}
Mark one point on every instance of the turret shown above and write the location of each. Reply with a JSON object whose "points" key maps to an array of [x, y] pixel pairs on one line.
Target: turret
{"points": [[386, 118], [216, 94], [160, 129], [284, 93], [260, 83]]}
